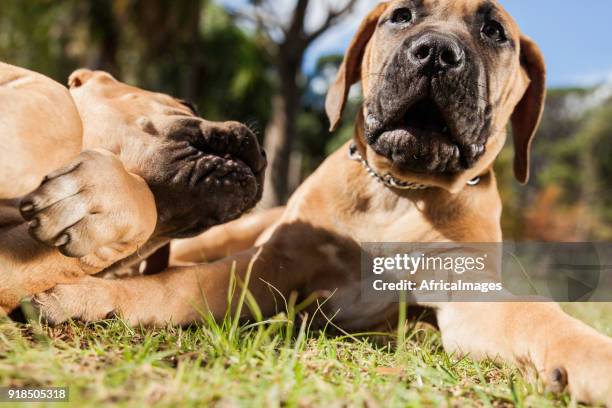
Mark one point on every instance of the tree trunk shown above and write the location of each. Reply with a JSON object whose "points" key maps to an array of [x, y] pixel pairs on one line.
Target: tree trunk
{"points": [[105, 31], [295, 169], [282, 128], [190, 87], [280, 135]]}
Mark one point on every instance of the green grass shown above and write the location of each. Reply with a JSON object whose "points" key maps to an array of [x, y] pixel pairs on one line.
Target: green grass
{"points": [[274, 363]]}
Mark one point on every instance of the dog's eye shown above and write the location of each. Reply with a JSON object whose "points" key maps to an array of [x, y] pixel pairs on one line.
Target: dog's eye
{"points": [[494, 31], [189, 105], [401, 16]]}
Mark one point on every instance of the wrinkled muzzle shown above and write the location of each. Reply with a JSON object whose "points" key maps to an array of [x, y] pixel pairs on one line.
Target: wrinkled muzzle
{"points": [[429, 112], [205, 174]]}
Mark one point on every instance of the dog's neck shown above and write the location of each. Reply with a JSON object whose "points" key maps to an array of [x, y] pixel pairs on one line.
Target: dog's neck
{"points": [[387, 180]]}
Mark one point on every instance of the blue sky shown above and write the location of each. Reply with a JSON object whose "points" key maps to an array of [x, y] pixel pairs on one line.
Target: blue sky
{"points": [[575, 36]]}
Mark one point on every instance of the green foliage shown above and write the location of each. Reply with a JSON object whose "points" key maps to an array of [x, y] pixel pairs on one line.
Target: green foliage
{"points": [[275, 362], [571, 156], [237, 77], [39, 34], [191, 50]]}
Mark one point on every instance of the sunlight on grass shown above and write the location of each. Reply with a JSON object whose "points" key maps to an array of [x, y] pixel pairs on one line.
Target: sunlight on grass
{"points": [[275, 362]]}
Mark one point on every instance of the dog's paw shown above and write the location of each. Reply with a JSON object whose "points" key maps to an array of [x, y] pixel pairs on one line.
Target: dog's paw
{"points": [[88, 300], [584, 368], [91, 208]]}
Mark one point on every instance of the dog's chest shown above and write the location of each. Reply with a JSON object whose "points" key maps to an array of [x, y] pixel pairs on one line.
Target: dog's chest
{"points": [[393, 220]]}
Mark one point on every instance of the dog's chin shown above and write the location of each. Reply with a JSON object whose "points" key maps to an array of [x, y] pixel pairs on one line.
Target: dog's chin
{"points": [[419, 151], [423, 142]]}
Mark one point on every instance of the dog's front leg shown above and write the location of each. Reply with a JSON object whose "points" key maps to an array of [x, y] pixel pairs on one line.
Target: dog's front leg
{"points": [[563, 350], [179, 295], [293, 256], [225, 239]]}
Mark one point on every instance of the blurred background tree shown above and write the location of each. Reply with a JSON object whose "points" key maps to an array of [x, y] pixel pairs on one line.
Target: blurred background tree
{"points": [[570, 195], [246, 63], [190, 49], [286, 37]]}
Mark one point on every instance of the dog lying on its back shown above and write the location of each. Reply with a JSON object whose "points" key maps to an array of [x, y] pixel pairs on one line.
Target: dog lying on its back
{"points": [[150, 170]]}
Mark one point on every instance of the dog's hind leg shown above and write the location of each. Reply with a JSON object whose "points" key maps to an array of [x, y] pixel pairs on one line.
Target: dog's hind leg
{"points": [[224, 240]]}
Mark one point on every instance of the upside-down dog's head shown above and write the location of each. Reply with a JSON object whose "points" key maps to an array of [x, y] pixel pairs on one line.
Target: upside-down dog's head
{"points": [[201, 173], [441, 80]]}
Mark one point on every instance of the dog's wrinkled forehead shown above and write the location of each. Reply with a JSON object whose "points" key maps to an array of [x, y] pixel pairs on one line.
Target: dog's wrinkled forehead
{"points": [[127, 99], [453, 11], [462, 18], [456, 8]]}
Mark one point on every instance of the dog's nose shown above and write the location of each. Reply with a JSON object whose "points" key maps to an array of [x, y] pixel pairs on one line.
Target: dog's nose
{"points": [[235, 139], [438, 52]]}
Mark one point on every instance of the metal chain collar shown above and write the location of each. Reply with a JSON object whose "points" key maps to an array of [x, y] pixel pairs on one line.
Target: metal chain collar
{"points": [[388, 180]]}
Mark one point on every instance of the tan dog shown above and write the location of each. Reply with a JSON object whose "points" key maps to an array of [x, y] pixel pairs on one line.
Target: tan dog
{"points": [[441, 80], [25, 95], [151, 171]]}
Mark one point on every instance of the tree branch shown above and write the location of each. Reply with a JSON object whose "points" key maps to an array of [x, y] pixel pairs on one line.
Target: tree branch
{"points": [[296, 40], [298, 19], [333, 18]]}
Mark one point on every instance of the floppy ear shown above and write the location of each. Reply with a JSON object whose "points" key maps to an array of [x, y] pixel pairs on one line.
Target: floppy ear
{"points": [[350, 69], [528, 113]]}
